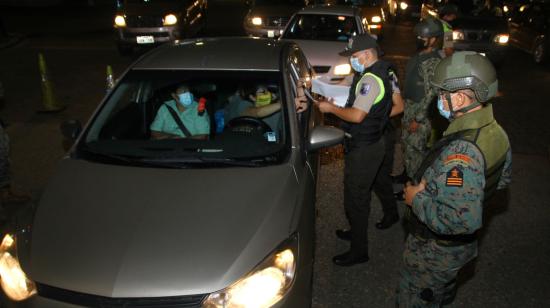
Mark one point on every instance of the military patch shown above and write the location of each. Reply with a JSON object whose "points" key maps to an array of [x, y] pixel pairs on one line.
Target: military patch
{"points": [[458, 158], [365, 89], [455, 178]]}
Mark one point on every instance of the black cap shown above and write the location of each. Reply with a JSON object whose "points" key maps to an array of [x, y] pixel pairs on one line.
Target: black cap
{"points": [[358, 43]]}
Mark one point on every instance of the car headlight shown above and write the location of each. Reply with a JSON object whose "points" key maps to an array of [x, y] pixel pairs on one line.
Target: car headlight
{"points": [[505, 9], [120, 21], [14, 281], [403, 5], [342, 69], [257, 21], [265, 285], [376, 19], [458, 35], [502, 39], [170, 20]]}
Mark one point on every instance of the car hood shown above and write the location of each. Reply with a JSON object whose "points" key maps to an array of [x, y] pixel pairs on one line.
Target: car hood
{"points": [[481, 23], [120, 231], [323, 52]]}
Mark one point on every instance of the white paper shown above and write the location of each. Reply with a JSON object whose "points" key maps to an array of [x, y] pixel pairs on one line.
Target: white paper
{"points": [[339, 93]]}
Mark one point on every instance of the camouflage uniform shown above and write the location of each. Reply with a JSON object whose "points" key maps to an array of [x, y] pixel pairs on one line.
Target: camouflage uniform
{"points": [[450, 205], [419, 96], [4, 161]]}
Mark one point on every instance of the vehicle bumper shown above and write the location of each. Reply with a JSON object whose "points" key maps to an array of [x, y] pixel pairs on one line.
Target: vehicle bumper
{"points": [[263, 31], [128, 36]]}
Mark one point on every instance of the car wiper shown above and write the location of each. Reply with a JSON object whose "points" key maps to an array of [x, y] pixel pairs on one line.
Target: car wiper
{"points": [[186, 161]]}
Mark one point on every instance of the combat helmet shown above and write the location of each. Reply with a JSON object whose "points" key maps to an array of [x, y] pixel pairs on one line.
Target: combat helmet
{"points": [[467, 70], [429, 27]]}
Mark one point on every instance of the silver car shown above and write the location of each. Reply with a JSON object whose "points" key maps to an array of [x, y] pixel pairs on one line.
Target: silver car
{"points": [[322, 31], [227, 221]]}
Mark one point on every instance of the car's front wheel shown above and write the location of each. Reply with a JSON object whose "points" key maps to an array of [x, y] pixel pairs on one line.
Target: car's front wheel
{"points": [[539, 53]]}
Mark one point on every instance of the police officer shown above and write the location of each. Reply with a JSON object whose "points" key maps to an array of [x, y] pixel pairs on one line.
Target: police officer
{"points": [[418, 93], [463, 169], [365, 116]]}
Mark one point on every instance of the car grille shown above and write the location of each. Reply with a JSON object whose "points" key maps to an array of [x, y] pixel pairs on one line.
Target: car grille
{"points": [[321, 69], [88, 300], [478, 36], [277, 21], [135, 21]]}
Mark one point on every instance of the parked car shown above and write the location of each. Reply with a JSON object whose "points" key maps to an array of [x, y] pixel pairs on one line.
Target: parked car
{"points": [[129, 221], [268, 18], [530, 29], [483, 29], [373, 13], [322, 31], [404, 9], [149, 22]]}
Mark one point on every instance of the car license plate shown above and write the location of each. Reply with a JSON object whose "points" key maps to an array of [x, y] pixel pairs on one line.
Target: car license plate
{"points": [[149, 39]]}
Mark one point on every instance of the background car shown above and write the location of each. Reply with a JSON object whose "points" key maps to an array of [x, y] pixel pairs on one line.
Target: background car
{"points": [[149, 22], [530, 29], [129, 221], [268, 18], [322, 31], [482, 28], [404, 9], [373, 13]]}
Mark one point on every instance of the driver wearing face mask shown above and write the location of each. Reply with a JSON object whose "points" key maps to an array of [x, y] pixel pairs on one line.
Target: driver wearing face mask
{"points": [[179, 118]]}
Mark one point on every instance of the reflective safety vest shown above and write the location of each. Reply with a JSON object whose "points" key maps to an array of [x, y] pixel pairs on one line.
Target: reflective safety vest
{"points": [[371, 129]]}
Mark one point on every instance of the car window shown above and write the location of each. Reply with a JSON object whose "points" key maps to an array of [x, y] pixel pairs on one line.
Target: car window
{"points": [[321, 27], [243, 119]]}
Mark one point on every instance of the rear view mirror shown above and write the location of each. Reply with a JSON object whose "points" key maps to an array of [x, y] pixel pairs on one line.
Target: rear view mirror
{"points": [[325, 136], [71, 129]]}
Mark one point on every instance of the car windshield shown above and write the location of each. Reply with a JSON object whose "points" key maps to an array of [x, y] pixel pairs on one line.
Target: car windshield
{"points": [[225, 117], [481, 9], [321, 27]]}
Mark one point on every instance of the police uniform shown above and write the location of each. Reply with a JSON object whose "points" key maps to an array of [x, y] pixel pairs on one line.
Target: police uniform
{"points": [[371, 93], [462, 170]]}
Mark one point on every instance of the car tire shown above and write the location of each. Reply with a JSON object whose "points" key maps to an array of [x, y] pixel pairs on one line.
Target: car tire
{"points": [[540, 53], [124, 50]]}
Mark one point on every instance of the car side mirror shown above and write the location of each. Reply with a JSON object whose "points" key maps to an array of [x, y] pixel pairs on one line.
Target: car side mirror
{"points": [[71, 129], [325, 136]]}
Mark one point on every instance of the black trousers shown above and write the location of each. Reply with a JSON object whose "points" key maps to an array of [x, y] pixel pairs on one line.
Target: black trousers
{"points": [[383, 185], [362, 167]]}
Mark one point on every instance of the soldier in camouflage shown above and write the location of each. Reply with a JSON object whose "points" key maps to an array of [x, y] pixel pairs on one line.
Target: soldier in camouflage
{"points": [[418, 94], [460, 172]]}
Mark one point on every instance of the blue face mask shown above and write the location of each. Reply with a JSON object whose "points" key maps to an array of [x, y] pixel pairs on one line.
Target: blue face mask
{"points": [[358, 67], [186, 98], [445, 113]]}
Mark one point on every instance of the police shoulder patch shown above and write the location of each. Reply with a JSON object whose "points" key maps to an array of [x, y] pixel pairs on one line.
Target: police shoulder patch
{"points": [[455, 178], [365, 89], [458, 158]]}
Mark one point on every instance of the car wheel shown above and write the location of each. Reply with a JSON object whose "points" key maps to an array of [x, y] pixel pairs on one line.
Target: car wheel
{"points": [[124, 50], [539, 53]]}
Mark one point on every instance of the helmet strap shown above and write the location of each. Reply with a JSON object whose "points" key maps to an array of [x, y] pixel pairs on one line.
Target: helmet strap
{"points": [[461, 110]]}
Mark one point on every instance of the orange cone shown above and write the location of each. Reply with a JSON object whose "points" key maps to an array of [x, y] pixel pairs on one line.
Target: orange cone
{"points": [[49, 102]]}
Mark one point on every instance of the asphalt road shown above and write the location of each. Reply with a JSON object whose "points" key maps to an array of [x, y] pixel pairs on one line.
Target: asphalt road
{"points": [[513, 266]]}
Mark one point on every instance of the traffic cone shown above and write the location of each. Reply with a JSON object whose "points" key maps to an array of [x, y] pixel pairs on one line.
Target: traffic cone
{"points": [[110, 80], [49, 103]]}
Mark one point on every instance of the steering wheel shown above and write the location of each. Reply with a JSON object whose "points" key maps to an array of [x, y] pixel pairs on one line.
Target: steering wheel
{"points": [[247, 125]]}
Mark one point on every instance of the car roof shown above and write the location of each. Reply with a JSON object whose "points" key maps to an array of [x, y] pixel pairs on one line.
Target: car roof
{"points": [[330, 10], [227, 53]]}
